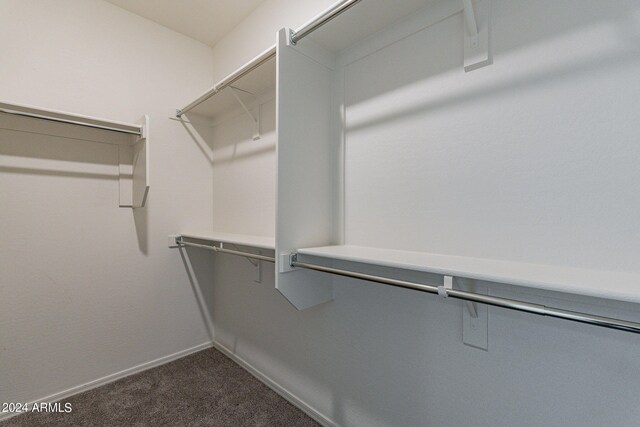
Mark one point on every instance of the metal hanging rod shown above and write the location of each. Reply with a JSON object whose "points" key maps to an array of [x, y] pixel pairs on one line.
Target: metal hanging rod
{"points": [[296, 36], [246, 69], [230, 79], [319, 21], [507, 303], [180, 241], [128, 129]]}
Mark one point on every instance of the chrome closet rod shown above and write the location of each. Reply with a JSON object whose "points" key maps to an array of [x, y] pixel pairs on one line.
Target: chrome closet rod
{"points": [[255, 63], [507, 303], [181, 242], [318, 22], [230, 79], [296, 36], [72, 122]]}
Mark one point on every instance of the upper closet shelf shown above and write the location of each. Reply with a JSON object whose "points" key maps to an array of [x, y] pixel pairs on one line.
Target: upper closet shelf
{"points": [[259, 242], [596, 283], [240, 89], [70, 118], [132, 140], [353, 24]]}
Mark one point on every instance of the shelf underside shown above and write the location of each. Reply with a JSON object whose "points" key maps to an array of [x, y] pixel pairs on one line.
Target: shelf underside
{"points": [[596, 283]]}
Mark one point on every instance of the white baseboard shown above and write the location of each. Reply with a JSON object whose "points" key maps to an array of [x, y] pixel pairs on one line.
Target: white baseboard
{"points": [[293, 399], [113, 377]]}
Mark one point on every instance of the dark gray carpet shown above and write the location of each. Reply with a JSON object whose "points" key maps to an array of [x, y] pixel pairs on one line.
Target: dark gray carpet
{"points": [[203, 389]]}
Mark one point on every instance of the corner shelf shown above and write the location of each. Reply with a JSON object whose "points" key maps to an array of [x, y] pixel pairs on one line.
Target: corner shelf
{"points": [[132, 141]]}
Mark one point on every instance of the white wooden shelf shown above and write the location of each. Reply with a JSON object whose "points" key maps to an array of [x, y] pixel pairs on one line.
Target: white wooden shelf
{"points": [[596, 283], [251, 87], [401, 18], [132, 141], [63, 117], [260, 242]]}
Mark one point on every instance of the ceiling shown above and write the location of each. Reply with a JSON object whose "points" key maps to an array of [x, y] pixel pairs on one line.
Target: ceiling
{"points": [[205, 20]]}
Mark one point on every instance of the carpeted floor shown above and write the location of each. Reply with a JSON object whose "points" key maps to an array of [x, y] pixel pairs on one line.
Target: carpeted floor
{"points": [[204, 389]]}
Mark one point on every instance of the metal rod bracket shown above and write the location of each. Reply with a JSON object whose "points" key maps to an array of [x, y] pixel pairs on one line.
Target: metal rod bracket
{"points": [[287, 262], [443, 290]]}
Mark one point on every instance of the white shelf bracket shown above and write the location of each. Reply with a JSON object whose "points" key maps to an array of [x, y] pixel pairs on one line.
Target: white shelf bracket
{"points": [[256, 120], [476, 34], [475, 317], [258, 266], [252, 262], [443, 291], [471, 307], [470, 20]]}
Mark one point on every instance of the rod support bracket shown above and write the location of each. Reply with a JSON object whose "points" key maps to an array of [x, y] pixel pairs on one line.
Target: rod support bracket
{"points": [[174, 241], [286, 262], [446, 286]]}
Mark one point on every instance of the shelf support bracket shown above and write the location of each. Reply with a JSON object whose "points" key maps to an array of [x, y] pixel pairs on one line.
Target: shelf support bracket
{"points": [[255, 120], [475, 317], [476, 34], [470, 20], [443, 291]]}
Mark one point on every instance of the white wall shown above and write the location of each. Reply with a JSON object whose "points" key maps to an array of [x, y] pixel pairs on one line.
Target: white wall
{"points": [[244, 202], [88, 289], [380, 356]]}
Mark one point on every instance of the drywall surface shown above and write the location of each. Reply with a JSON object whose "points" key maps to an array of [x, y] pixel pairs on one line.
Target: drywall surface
{"points": [[244, 170], [382, 356], [88, 289]]}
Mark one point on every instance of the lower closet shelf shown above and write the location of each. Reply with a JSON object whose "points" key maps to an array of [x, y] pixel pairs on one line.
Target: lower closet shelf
{"points": [[596, 283], [260, 242]]}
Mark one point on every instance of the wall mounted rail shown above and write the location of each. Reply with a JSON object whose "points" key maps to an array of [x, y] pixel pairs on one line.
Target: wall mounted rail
{"points": [[507, 303], [180, 242]]}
